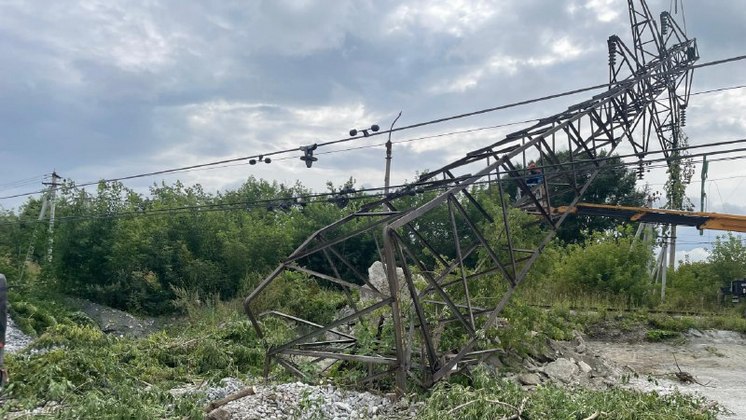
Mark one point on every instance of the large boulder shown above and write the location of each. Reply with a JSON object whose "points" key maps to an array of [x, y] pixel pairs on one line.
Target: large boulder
{"points": [[377, 277]]}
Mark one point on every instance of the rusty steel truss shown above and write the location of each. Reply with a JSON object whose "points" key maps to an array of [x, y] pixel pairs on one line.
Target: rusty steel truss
{"points": [[643, 107]]}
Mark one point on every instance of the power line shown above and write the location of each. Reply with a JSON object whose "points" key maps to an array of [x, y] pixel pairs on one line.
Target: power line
{"points": [[581, 165], [297, 199], [722, 89], [267, 159]]}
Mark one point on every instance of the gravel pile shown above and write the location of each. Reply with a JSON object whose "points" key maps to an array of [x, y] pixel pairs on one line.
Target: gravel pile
{"points": [[227, 386], [15, 339], [301, 401]]}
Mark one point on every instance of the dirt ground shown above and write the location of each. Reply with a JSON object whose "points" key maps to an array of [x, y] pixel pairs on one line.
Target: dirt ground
{"points": [[716, 359]]}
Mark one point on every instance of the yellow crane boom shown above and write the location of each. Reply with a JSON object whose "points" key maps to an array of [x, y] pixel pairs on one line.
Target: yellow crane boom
{"points": [[712, 221]]}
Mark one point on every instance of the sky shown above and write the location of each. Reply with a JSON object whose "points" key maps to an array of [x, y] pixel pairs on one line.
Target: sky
{"points": [[100, 89]]}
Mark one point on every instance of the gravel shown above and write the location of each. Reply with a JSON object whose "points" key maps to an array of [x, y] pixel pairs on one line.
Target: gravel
{"points": [[15, 339], [302, 401]]}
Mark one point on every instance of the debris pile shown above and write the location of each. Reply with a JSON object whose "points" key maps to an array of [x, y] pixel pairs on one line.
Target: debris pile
{"points": [[302, 401]]}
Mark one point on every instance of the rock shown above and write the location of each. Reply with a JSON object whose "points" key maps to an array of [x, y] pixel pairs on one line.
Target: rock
{"points": [[584, 367], [342, 407], [563, 370], [15, 339], [529, 379], [219, 414], [580, 345]]}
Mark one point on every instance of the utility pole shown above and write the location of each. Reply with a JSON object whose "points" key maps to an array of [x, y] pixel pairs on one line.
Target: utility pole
{"points": [[387, 177], [702, 194], [52, 196], [663, 273], [47, 203]]}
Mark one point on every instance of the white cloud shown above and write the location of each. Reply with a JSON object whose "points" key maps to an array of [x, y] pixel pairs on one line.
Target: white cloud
{"points": [[562, 49], [605, 10], [452, 17], [692, 255]]}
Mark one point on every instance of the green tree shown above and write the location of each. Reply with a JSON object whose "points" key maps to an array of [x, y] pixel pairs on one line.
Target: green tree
{"points": [[728, 259]]}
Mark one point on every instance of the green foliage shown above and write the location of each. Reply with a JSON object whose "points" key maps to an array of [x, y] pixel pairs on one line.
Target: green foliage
{"points": [[728, 259], [295, 294], [135, 263], [88, 372], [661, 335], [611, 264], [488, 397], [528, 327]]}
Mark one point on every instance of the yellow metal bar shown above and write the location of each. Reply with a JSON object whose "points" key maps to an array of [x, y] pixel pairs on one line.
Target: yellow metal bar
{"points": [[714, 221]]}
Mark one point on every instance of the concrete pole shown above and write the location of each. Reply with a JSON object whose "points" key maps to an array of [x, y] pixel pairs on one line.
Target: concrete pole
{"points": [[50, 231], [3, 325], [663, 273], [387, 177], [672, 251]]}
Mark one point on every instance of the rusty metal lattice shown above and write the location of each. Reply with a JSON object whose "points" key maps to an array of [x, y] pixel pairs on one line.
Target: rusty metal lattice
{"points": [[643, 107]]}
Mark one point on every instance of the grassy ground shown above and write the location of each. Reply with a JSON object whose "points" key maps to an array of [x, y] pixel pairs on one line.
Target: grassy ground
{"points": [[84, 371]]}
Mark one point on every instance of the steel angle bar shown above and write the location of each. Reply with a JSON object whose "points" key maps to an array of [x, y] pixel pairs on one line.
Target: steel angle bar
{"points": [[483, 273], [328, 342], [436, 302], [329, 243], [449, 268], [528, 192], [477, 313], [353, 269], [378, 375], [254, 293], [424, 327], [482, 240], [462, 269], [341, 356], [348, 294], [292, 367], [319, 232], [440, 291], [412, 229], [391, 274], [332, 279], [331, 326], [304, 321], [471, 199]]}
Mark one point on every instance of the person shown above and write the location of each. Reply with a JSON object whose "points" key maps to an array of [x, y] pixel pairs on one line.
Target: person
{"points": [[3, 325], [534, 177]]}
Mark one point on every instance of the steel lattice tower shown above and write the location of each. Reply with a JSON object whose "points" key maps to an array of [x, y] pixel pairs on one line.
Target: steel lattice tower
{"points": [[643, 107]]}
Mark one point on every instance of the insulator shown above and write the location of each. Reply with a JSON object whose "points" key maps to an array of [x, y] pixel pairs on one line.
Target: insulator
{"points": [[664, 23], [640, 170], [612, 52], [308, 156], [682, 117]]}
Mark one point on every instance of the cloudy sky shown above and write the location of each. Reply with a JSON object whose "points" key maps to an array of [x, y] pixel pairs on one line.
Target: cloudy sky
{"points": [[107, 88]]}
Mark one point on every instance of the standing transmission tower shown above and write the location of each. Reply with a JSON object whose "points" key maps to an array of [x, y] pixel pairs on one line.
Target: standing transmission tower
{"points": [[437, 254]]}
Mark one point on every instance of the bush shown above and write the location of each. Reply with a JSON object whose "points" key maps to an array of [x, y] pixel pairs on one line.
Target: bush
{"points": [[611, 264]]}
